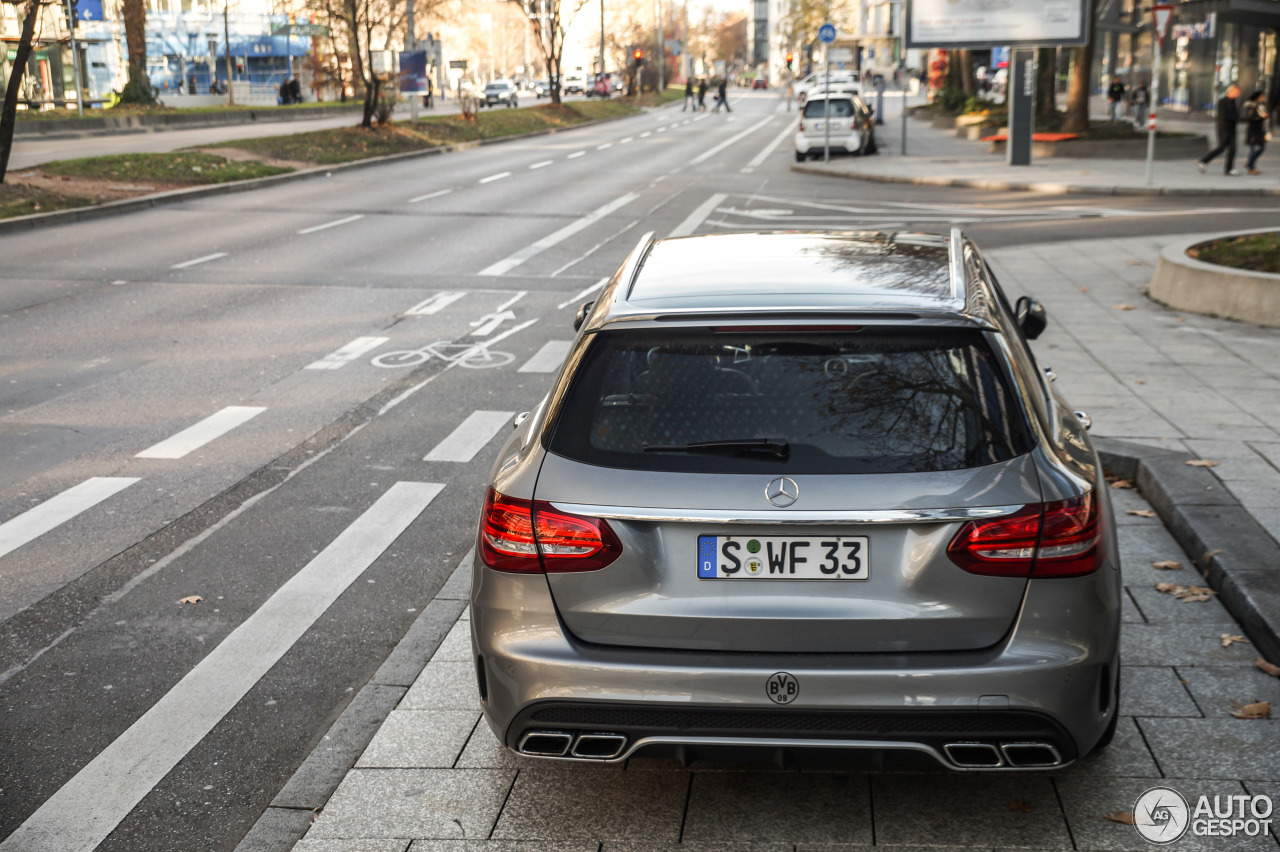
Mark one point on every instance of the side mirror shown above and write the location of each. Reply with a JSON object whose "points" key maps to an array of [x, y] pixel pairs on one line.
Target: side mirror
{"points": [[1031, 317], [581, 317]]}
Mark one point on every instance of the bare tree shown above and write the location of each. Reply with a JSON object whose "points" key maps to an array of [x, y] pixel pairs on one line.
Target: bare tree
{"points": [[9, 116], [550, 22]]}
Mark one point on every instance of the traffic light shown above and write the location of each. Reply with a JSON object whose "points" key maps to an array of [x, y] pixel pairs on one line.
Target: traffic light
{"points": [[639, 57], [790, 59]]}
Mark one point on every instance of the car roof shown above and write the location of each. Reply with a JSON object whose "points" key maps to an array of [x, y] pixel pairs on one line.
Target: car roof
{"points": [[876, 275]]}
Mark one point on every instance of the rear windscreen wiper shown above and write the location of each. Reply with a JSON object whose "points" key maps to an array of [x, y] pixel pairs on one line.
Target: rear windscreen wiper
{"points": [[777, 447]]}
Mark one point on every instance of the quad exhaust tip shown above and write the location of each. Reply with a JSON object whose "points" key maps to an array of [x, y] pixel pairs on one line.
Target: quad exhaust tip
{"points": [[545, 743], [1031, 754], [1007, 755], [590, 746], [599, 746], [974, 755]]}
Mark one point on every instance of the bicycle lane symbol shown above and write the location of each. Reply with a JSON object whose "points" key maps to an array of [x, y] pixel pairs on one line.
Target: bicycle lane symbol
{"points": [[474, 356]]}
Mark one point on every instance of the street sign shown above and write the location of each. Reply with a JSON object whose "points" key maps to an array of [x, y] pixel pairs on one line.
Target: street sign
{"points": [[1163, 15], [827, 33], [984, 23], [458, 63]]}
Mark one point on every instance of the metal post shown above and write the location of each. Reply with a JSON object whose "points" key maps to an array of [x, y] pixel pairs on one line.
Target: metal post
{"points": [[226, 33], [1021, 99], [1154, 99], [75, 59], [902, 70], [602, 68], [826, 110], [411, 43], [662, 72]]}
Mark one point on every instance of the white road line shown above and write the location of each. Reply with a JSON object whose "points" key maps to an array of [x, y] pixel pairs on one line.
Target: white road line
{"points": [[547, 359], [339, 358], [430, 195], [605, 145], [541, 164], [575, 155], [335, 223], [628, 139], [498, 176], [509, 302], [470, 437], [711, 152], [196, 436], [509, 263], [88, 807], [587, 292], [59, 509], [770, 148], [689, 225], [205, 259], [434, 304], [595, 248], [662, 129], [645, 134]]}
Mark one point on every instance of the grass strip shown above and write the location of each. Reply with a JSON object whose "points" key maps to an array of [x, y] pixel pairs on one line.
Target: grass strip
{"points": [[181, 167], [19, 200], [1255, 252]]}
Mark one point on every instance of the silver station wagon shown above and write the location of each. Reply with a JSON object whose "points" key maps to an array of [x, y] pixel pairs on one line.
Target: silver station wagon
{"points": [[801, 496]]}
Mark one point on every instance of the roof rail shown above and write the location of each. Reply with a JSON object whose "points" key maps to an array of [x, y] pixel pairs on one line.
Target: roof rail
{"points": [[627, 279], [955, 249]]}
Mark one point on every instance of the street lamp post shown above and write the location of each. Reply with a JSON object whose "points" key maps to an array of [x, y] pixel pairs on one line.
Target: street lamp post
{"points": [[75, 58]]}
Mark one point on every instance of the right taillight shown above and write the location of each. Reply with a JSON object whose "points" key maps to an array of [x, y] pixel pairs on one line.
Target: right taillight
{"points": [[1058, 539], [802, 125], [527, 536]]}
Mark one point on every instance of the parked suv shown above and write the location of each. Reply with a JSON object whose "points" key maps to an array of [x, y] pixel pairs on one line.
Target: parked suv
{"points": [[800, 494], [501, 92]]}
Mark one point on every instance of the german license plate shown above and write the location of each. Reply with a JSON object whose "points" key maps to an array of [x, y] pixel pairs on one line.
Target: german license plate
{"points": [[740, 557]]}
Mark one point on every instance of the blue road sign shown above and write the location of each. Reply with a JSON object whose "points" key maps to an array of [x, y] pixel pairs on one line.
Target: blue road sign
{"points": [[827, 33]]}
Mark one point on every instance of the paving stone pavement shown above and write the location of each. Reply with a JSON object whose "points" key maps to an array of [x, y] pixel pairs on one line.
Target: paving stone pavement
{"points": [[434, 778]]}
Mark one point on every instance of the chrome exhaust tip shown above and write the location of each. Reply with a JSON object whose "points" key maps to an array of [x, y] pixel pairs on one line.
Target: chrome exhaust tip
{"points": [[974, 755], [1031, 754], [545, 743], [599, 746]]}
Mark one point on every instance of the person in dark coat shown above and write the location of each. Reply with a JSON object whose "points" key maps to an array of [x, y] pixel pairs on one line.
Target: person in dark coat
{"points": [[722, 98], [689, 102], [295, 91], [1115, 98], [1255, 117], [1228, 119], [702, 94]]}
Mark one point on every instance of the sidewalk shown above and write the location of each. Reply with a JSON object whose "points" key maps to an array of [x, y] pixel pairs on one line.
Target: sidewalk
{"points": [[433, 777], [937, 158]]}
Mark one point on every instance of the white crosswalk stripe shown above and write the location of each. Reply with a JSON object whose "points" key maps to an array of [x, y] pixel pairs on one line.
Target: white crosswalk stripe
{"points": [[547, 359], [470, 437], [59, 509], [196, 436]]}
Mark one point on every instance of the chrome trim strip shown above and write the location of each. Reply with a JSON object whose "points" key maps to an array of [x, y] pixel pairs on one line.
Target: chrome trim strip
{"points": [[783, 516], [955, 246], [628, 277]]}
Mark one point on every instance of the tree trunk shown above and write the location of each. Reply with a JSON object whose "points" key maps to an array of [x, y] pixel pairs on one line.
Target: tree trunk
{"points": [[1079, 89], [135, 35], [1046, 86], [9, 117], [967, 80]]}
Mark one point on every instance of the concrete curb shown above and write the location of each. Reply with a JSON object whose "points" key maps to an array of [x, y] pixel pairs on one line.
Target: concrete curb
{"points": [[1232, 551], [1187, 284], [19, 224], [1043, 187]]}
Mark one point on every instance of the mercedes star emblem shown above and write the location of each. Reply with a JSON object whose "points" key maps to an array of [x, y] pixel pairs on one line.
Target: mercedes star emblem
{"points": [[782, 492]]}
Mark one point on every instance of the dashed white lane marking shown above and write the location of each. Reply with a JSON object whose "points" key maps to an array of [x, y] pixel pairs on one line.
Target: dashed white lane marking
{"points": [[498, 176], [547, 359], [470, 437], [430, 195], [696, 218], [507, 264], [575, 155], [576, 296], [662, 129], [197, 435], [645, 134], [625, 141], [542, 164], [88, 807], [434, 304], [711, 152], [205, 259], [339, 358], [59, 509], [335, 223], [769, 149], [605, 145]]}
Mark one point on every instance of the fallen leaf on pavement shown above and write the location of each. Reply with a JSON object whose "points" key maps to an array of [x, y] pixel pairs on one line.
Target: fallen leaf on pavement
{"points": [[1228, 640], [1125, 817], [1201, 463], [191, 599], [1186, 594], [1138, 262], [1020, 806], [1122, 483], [1167, 565], [1142, 513], [1084, 289], [1270, 668], [1256, 710], [1123, 307], [1139, 381]]}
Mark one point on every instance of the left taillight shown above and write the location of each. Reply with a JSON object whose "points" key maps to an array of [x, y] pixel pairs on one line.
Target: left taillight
{"points": [[527, 536]]}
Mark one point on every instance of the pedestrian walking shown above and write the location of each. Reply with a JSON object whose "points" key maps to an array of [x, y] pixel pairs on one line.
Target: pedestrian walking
{"points": [[722, 98], [702, 94], [1139, 98], [689, 102], [1115, 98], [1228, 117], [1256, 133]]}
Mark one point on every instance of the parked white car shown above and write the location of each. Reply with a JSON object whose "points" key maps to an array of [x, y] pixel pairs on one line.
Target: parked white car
{"points": [[852, 126], [818, 80]]}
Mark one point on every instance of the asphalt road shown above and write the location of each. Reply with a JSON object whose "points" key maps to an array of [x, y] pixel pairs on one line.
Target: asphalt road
{"points": [[205, 400]]}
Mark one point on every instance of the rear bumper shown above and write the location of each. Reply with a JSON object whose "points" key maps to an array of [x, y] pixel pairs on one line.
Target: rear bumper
{"points": [[1049, 683], [841, 143]]}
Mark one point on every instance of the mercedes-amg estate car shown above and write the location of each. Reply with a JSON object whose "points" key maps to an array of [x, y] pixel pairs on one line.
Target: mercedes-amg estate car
{"points": [[805, 494]]}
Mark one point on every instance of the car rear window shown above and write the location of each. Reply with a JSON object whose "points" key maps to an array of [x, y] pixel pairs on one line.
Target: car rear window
{"points": [[840, 108], [792, 401]]}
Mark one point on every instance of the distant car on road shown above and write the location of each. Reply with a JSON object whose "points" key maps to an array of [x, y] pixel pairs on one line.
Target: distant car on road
{"points": [[760, 83], [853, 129], [541, 89], [501, 92], [574, 84], [601, 87]]}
